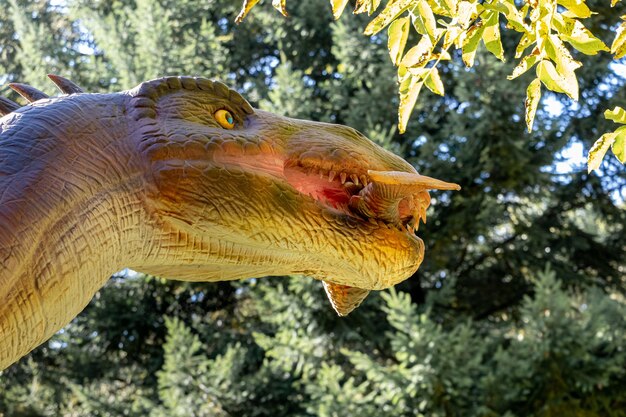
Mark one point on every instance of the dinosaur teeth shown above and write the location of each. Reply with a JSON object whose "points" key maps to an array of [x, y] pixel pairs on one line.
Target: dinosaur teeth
{"points": [[343, 177], [331, 176], [355, 178], [363, 180]]}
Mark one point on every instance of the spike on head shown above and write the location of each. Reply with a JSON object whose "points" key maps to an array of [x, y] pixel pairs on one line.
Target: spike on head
{"points": [[7, 106], [66, 86], [29, 93]]}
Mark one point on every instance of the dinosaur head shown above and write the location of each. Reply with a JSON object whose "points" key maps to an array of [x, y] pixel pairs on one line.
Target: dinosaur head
{"points": [[270, 195], [231, 192], [182, 178]]}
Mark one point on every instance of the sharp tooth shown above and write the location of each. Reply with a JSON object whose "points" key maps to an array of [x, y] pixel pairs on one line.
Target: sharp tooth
{"points": [[422, 214], [363, 179], [349, 184], [331, 175], [355, 178], [343, 177], [322, 174]]}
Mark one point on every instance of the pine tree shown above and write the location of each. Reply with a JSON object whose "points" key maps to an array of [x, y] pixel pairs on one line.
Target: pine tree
{"points": [[482, 329]]}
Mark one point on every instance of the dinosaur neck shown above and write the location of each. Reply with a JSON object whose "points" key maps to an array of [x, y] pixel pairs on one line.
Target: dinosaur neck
{"points": [[65, 207]]}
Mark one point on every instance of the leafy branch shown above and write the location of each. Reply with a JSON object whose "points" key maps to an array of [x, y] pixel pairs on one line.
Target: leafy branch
{"points": [[550, 30]]}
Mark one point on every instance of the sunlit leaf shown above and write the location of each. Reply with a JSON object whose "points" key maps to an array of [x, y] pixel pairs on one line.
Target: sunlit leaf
{"points": [[582, 39], [619, 146], [420, 54], [597, 151], [466, 13], [451, 36], [514, 17], [398, 33], [245, 9], [614, 2], [618, 47], [575, 8], [525, 64], [450, 6], [338, 6], [491, 36], [533, 96], [526, 40], [433, 82], [618, 115], [368, 6], [557, 51], [470, 43], [553, 80], [409, 89], [393, 9], [428, 18], [496, 7], [280, 6]]}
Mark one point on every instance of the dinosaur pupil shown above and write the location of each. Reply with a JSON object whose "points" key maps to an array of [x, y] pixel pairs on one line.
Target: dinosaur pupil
{"points": [[229, 118]]}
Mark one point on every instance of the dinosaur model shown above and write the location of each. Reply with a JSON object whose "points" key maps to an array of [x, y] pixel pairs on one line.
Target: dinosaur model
{"points": [[180, 177]]}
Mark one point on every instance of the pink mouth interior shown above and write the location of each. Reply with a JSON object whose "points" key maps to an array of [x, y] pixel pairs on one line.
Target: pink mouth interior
{"points": [[321, 189]]}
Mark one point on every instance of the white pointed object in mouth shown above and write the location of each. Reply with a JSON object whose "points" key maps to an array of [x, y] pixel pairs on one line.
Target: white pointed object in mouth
{"points": [[409, 178]]}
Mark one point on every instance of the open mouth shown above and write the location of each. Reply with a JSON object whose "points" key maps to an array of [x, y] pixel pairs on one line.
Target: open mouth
{"points": [[396, 199]]}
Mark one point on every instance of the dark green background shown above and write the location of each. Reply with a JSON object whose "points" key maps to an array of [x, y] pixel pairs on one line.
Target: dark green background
{"points": [[518, 309]]}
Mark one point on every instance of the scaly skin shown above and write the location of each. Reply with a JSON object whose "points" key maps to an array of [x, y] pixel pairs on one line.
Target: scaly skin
{"points": [[148, 179]]}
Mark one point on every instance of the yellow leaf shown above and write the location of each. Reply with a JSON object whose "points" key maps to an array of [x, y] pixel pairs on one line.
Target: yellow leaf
{"points": [[470, 43], [514, 17], [525, 64], [427, 17], [554, 81], [433, 82], [420, 54], [280, 6], [245, 9], [451, 35], [557, 51], [409, 90], [619, 146], [450, 6], [392, 10], [618, 47], [466, 13], [614, 2], [368, 6], [338, 6], [582, 39], [526, 40], [618, 115], [398, 33], [491, 36], [597, 151], [533, 96], [575, 8]]}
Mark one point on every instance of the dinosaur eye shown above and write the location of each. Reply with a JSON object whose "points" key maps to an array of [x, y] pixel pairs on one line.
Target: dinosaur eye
{"points": [[225, 119]]}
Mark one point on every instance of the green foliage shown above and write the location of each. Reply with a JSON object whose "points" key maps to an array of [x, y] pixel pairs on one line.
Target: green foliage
{"points": [[482, 329], [546, 27]]}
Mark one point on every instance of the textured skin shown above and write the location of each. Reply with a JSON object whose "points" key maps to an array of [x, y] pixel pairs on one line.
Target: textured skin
{"points": [[147, 179]]}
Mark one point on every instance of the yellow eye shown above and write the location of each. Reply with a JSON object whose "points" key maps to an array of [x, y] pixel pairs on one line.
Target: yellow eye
{"points": [[225, 119]]}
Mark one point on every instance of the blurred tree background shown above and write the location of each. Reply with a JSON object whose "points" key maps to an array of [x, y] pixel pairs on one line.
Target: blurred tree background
{"points": [[518, 310]]}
